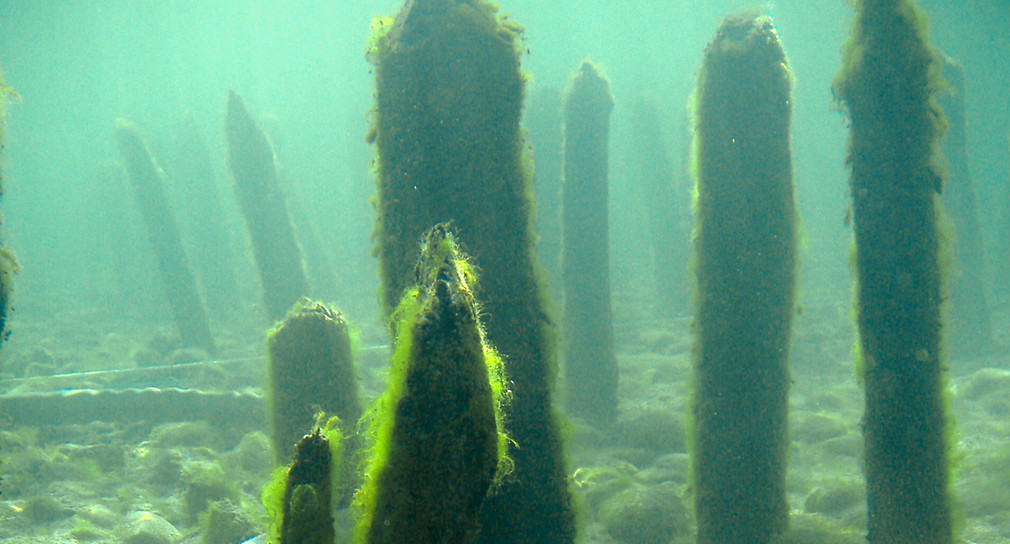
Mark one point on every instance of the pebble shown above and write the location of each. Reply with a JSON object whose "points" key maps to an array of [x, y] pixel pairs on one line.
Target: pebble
{"points": [[143, 527]]}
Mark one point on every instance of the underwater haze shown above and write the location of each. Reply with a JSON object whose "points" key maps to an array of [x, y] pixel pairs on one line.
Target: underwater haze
{"points": [[119, 424]]}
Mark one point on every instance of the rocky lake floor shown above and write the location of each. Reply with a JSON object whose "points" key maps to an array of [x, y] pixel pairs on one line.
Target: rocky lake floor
{"points": [[140, 475]]}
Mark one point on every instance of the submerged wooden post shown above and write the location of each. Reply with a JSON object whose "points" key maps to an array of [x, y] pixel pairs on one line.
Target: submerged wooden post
{"points": [[970, 326], [213, 246], [745, 265], [437, 430], [265, 211], [666, 212], [189, 314], [300, 498], [543, 119], [8, 264], [591, 371], [310, 369], [449, 148], [887, 86]]}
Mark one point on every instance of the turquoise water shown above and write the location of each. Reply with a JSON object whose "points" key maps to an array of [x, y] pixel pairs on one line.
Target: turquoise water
{"points": [[90, 311]]}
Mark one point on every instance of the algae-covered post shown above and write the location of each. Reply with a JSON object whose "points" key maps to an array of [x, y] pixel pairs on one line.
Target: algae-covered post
{"points": [[887, 85], [590, 364], [969, 323], [310, 369], [265, 211], [320, 271], [213, 246], [1002, 275], [449, 147], [147, 180], [543, 120], [745, 267], [437, 430], [666, 211], [8, 264], [299, 499]]}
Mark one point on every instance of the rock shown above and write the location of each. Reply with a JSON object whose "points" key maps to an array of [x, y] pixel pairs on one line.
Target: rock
{"points": [[161, 468], [816, 529], [658, 431], [673, 467], [835, 496], [983, 483], [184, 433], [106, 457], [983, 383], [206, 483], [99, 515], [254, 453], [812, 427], [849, 445], [661, 340], [44, 509], [225, 523], [144, 527], [645, 515], [598, 483], [85, 531]]}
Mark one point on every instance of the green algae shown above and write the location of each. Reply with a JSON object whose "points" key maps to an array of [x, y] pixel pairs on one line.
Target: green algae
{"points": [[438, 444]]}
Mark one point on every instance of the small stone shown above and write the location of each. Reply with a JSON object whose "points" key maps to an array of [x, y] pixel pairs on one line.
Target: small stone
{"points": [[646, 515], [225, 522], [99, 515], [835, 496], [673, 467], [658, 431], [811, 428], [205, 483], [85, 531], [254, 453], [44, 509], [983, 383], [145, 527]]}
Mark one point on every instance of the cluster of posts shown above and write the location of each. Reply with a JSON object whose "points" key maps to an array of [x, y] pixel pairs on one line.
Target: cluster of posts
{"points": [[465, 445]]}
